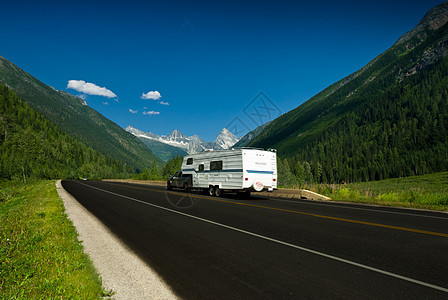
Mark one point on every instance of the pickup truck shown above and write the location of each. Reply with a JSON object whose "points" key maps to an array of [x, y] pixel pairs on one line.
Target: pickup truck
{"points": [[179, 180]]}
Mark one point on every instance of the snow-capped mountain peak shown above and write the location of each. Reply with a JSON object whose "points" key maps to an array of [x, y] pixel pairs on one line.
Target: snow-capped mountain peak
{"points": [[176, 135], [134, 131], [191, 144], [226, 139]]}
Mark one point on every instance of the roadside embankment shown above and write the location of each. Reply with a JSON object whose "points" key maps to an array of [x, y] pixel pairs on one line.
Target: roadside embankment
{"points": [[281, 193], [295, 194]]}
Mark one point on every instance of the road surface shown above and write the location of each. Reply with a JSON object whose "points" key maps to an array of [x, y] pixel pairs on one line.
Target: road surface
{"points": [[231, 248]]}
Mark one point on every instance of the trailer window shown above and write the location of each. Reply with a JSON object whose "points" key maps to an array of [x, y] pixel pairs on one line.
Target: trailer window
{"points": [[190, 161], [201, 167], [216, 165]]}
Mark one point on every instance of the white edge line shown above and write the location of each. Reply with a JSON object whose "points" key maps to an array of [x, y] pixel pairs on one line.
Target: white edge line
{"points": [[283, 243]]}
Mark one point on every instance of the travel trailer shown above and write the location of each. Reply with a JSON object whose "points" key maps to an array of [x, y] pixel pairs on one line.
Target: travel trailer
{"points": [[240, 170]]}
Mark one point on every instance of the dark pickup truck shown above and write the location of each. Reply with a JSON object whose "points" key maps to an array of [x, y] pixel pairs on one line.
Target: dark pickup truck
{"points": [[179, 180]]}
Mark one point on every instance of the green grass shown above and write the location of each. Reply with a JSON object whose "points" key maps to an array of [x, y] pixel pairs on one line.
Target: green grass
{"points": [[426, 192], [40, 254]]}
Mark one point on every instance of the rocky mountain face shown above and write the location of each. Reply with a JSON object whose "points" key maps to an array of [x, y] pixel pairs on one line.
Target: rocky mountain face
{"points": [[190, 144], [226, 139], [433, 20]]}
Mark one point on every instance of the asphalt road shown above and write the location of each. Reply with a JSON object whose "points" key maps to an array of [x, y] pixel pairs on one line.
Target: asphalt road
{"points": [[230, 248]]}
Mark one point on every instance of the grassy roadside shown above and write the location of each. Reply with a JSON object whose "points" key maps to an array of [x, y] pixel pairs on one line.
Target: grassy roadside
{"points": [[424, 192], [40, 254]]}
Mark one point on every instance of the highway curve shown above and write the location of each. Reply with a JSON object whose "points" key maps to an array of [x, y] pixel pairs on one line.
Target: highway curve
{"points": [[231, 248]]}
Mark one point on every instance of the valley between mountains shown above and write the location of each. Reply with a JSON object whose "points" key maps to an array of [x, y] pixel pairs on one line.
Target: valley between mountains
{"points": [[374, 142]]}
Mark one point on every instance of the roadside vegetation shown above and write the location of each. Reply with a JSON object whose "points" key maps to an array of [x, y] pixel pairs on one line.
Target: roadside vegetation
{"points": [[425, 192], [40, 254]]}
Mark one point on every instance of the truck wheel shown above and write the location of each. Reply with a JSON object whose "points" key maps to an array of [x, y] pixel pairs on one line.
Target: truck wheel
{"points": [[186, 188], [211, 191], [218, 192], [168, 186]]}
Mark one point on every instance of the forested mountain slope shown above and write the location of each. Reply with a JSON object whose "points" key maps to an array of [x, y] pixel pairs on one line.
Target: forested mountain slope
{"points": [[32, 146], [389, 119], [162, 150], [77, 119]]}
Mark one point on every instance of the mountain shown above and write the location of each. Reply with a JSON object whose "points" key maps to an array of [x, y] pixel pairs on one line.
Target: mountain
{"points": [[74, 117], [245, 140], [31, 146], [163, 150], [190, 144], [389, 119], [226, 139]]}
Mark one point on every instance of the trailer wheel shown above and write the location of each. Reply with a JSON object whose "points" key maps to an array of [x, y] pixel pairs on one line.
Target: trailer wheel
{"points": [[218, 192], [211, 191]]}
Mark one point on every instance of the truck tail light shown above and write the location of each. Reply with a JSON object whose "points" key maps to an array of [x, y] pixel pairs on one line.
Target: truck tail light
{"points": [[274, 179], [246, 179]]}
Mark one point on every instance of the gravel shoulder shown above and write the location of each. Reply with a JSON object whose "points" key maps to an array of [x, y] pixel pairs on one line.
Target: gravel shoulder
{"points": [[121, 270]]}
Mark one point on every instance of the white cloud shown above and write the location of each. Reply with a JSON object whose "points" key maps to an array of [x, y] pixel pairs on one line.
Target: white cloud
{"points": [[105, 103], [152, 95], [133, 111], [90, 88], [151, 112], [164, 103]]}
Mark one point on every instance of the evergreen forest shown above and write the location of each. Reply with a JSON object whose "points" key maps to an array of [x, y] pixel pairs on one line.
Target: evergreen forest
{"points": [[387, 120], [33, 147], [401, 132]]}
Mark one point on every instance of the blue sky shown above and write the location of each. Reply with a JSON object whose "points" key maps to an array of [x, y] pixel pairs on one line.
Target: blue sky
{"points": [[199, 66]]}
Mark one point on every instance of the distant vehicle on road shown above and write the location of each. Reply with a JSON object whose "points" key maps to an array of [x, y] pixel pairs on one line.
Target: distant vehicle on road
{"points": [[241, 170]]}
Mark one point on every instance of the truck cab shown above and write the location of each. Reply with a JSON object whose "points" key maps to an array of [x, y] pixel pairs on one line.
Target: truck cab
{"points": [[179, 180]]}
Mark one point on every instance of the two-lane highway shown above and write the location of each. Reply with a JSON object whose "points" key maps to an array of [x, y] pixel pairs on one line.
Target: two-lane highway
{"points": [[208, 247]]}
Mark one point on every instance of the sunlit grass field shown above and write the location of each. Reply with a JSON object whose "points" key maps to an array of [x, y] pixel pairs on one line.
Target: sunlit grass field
{"points": [[40, 254], [425, 192]]}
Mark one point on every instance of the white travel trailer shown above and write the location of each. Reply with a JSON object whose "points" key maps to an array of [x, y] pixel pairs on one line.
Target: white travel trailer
{"points": [[240, 170]]}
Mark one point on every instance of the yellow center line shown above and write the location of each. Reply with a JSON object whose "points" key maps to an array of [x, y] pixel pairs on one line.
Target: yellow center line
{"points": [[297, 212]]}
